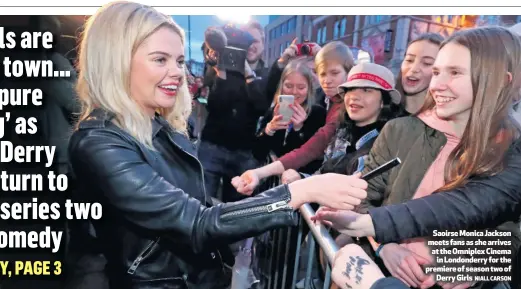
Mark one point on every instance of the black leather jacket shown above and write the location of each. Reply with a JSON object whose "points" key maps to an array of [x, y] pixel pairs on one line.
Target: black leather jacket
{"points": [[158, 228]]}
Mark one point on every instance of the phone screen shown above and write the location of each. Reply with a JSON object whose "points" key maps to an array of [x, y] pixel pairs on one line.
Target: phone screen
{"points": [[284, 109]]}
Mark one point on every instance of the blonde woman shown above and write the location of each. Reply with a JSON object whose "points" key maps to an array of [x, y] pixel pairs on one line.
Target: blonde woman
{"points": [[130, 153], [281, 136]]}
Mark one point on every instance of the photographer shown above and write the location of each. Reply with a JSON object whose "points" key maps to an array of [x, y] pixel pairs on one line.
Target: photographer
{"points": [[236, 101], [307, 51]]}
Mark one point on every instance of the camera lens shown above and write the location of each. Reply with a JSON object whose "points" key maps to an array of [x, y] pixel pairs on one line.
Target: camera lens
{"points": [[305, 50]]}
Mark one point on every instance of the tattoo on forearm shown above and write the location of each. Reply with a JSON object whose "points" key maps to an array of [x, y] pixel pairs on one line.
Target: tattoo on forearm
{"points": [[358, 263], [348, 286], [359, 273], [349, 267]]}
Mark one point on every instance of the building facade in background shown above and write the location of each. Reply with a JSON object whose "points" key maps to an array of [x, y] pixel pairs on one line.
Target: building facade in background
{"points": [[196, 67], [385, 37]]}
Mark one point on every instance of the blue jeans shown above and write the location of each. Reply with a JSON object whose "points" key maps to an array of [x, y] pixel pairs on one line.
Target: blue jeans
{"points": [[221, 163]]}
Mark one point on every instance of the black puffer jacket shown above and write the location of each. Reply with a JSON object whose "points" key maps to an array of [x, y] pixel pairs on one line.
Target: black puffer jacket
{"points": [[158, 229]]}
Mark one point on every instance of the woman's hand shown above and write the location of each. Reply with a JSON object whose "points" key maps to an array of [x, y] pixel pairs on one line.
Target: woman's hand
{"points": [[288, 54], [276, 122], [404, 264], [316, 48], [289, 176], [246, 183], [331, 190], [346, 222], [299, 116]]}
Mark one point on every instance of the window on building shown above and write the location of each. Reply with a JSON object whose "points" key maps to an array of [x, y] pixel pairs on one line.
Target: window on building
{"points": [[488, 20], [343, 26], [336, 29], [281, 49], [493, 19], [450, 18], [269, 52], [284, 28], [375, 19], [292, 24], [368, 20], [319, 35], [324, 31]]}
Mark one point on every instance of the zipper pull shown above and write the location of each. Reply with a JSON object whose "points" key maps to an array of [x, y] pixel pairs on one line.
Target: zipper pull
{"points": [[277, 206], [134, 266]]}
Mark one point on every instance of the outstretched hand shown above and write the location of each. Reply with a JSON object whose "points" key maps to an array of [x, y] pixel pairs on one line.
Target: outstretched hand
{"points": [[246, 183], [332, 190], [347, 222]]}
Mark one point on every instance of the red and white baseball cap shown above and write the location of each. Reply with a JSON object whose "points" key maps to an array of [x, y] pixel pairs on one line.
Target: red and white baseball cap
{"points": [[374, 76]]}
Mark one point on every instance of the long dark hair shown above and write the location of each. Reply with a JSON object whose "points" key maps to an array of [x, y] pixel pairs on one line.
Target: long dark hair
{"points": [[433, 38], [390, 110]]}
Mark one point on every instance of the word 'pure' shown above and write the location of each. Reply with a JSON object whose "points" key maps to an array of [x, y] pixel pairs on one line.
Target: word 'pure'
{"points": [[20, 97]]}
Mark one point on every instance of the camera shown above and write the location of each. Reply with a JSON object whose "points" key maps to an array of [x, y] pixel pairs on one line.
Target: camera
{"points": [[305, 48], [227, 47]]}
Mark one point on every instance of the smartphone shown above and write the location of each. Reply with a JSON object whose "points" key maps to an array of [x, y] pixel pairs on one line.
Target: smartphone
{"points": [[382, 169], [284, 109]]}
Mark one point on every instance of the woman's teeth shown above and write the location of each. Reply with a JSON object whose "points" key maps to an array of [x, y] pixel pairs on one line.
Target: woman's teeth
{"points": [[169, 87], [443, 99], [412, 80]]}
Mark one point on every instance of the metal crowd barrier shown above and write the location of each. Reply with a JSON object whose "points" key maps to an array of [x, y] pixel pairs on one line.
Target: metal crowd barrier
{"points": [[277, 255]]}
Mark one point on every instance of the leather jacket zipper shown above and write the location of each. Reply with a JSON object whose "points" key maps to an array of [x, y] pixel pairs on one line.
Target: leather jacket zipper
{"points": [[200, 165], [268, 208], [143, 255]]}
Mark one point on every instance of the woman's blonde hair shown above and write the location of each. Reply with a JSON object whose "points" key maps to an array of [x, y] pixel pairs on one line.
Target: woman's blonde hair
{"points": [[494, 51], [109, 41], [334, 51], [298, 66]]}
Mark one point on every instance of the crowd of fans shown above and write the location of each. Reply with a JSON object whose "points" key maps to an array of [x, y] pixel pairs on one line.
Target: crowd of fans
{"points": [[437, 115], [449, 115]]}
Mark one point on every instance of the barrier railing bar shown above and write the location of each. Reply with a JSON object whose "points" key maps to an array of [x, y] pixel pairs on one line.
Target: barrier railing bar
{"points": [[320, 233], [279, 250], [270, 261], [286, 256], [311, 244], [297, 255], [317, 233], [327, 279]]}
